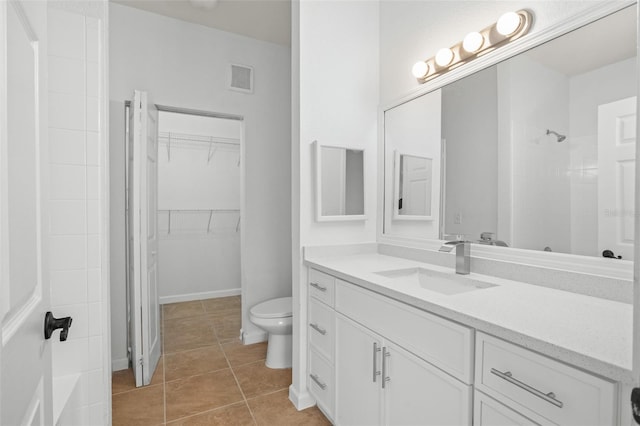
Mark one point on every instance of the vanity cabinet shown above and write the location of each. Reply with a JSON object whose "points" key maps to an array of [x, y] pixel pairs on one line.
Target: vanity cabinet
{"points": [[540, 388], [378, 382]]}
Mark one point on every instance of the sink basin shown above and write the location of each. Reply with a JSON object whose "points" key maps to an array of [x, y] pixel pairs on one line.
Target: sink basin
{"points": [[435, 281]]}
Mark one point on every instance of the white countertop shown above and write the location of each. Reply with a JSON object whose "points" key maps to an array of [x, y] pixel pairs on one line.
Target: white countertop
{"points": [[588, 332]]}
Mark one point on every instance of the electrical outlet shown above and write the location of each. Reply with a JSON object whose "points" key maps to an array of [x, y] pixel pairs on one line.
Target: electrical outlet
{"points": [[457, 218]]}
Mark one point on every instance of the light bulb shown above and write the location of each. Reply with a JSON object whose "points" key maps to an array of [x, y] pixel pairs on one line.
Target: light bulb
{"points": [[420, 69], [444, 57], [472, 42], [508, 23]]}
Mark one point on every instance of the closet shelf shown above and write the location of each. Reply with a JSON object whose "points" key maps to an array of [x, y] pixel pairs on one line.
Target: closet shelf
{"points": [[211, 212], [185, 139]]}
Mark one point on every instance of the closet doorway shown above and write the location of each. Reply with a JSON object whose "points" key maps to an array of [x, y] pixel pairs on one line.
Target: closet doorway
{"points": [[193, 191]]}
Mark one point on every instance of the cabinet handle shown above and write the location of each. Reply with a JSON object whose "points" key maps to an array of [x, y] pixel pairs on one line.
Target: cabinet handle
{"points": [[316, 379], [376, 373], [317, 328], [385, 378], [318, 286], [549, 397]]}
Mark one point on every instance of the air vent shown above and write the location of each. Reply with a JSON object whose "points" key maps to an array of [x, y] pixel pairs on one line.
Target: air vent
{"points": [[241, 78]]}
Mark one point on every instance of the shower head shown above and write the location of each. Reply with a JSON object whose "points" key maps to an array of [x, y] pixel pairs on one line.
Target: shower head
{"points": [[559, 137]]}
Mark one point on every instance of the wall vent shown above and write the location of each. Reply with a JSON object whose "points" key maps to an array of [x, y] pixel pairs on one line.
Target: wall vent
{"points": [[241, 78]]}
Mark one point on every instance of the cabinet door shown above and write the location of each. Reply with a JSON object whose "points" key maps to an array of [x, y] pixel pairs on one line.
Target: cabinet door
{"points": [[357, 385], [417, 393], [488, 412]]}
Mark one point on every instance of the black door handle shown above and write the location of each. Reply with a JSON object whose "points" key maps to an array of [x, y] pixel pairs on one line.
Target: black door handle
{"points": [[51, 324], [609, 254]]}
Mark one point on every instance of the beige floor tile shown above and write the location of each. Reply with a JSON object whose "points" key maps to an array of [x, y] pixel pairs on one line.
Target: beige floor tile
{"points": [[182, 310], [227, 328], [222, 304], [122, 381], [233, 415], [256, 379], [198, 361], [187, 335], [239, 354], [276, 409], [196, 394], [144, 407]]}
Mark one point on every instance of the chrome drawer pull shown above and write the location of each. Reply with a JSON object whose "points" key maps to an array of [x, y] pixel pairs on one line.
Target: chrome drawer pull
{"points": [[549, 397], [315, 378], [385, 378], [318, 286], [376, 373], [317, 328]]}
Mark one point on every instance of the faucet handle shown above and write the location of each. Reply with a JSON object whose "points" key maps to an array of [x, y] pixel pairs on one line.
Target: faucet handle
{"points": [[486, 236]]}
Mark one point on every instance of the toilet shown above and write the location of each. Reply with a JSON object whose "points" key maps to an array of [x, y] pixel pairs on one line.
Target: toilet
{"points": [[275, 317]]}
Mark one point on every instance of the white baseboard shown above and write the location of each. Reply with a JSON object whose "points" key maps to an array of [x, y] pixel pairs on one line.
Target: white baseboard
{"points": [[254, 337], [119, 364], [301, 400], [199, 296]]}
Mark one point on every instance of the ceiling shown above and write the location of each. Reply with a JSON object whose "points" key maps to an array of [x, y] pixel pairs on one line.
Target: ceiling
{"points": [[603, 42], [268, 20]]}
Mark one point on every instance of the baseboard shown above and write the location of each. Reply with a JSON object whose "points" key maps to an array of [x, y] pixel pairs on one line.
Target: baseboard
{"points": [[199, 296], [301, 400], [254, 337], [119, 364]]}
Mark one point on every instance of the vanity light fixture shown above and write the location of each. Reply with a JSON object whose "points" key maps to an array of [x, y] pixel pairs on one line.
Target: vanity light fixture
{"points": [[509, 27]]}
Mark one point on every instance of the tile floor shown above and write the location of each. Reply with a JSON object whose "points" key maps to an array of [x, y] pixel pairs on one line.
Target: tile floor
{"points": [[207, 377]]}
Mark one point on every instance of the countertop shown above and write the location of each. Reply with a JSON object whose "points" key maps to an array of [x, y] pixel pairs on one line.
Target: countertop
{"points": [[584, 331]]}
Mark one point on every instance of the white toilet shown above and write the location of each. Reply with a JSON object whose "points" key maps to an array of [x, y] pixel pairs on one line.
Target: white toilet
{"points": [[275, 317]]}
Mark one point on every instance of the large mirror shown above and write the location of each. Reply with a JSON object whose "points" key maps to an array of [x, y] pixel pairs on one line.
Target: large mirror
{"points": [[339, 183], [539, 150]]}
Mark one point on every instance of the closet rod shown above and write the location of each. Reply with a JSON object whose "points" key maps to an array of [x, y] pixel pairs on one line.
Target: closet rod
{"points": [[200, 139]]}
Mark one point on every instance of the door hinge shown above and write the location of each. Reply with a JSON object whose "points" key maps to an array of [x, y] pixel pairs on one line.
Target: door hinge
{"points": [[141, 362], [635, 404]]}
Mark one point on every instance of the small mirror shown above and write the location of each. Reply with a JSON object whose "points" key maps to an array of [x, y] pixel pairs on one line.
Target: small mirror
{"points": [[413, 187], [339, 183]]}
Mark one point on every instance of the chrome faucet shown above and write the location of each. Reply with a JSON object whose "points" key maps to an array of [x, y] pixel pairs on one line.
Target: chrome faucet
{"points": [[463, 258]]}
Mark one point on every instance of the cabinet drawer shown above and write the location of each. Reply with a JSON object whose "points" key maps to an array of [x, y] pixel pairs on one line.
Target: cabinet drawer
{"points": [[489, 412], [539, 386], [321, 286], [321, 328], [443, 343], [321, 382]]}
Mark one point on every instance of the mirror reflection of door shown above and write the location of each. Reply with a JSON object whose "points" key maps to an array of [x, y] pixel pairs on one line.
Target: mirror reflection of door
{"points": [[616, 175], [414, 180]]}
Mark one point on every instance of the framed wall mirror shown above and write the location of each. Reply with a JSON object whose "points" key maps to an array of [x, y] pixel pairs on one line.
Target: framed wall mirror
{"points": [[339, 183], [413, 180], [538, 151]]}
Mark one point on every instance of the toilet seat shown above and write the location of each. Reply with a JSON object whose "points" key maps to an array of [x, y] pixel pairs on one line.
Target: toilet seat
{"points": [[274, 308]]}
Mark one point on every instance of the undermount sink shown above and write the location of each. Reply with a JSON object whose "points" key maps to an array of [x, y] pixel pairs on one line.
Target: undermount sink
{"points": [[435, 281]]}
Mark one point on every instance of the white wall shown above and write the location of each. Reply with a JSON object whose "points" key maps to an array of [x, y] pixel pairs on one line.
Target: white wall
{"points": [[469, 127], [336, 58], [531, 99], [186, 65], [77, 238], [198, 250], [413, 30], [587, 91]]}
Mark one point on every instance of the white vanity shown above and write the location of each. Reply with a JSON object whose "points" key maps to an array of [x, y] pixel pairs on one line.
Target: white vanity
{"points": [[387, 350]]}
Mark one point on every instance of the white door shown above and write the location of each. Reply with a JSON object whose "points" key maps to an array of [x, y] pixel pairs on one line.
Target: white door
{"points": [[25, 356], [616, 177], [144, 306], [358, 357], [418, 393]]}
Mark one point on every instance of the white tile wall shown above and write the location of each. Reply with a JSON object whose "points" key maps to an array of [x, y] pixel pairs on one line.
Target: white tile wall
{"points": [[75, 206]]}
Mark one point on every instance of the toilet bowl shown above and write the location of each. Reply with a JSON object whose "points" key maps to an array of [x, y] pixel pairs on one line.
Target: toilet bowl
{"points": [[274, 316]]}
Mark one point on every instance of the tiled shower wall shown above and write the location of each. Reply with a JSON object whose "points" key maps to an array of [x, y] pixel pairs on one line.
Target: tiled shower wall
{"points": [[76, 200]]}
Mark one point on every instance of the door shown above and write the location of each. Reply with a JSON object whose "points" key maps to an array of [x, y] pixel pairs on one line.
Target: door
{"points": [[417, 393], [25, 356], [144, 327], [358, 356], [616, 177]]}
